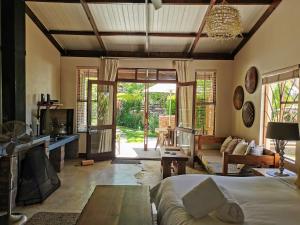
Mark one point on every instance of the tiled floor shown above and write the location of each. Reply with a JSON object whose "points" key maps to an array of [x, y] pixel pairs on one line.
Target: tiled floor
{"points": [[79, 182]]}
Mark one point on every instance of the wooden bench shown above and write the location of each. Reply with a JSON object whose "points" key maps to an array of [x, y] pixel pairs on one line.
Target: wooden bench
{"points": [[117, 205], [268, 159]]}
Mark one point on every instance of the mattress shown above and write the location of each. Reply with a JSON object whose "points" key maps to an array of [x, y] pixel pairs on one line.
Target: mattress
{"points": [[264, 200]]}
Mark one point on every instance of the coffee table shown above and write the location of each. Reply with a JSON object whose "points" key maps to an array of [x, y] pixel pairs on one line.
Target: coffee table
{"points": [[175, 156], [117, 205]]}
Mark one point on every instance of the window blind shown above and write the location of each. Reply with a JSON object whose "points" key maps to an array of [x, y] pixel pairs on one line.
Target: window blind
{"points": [[84, 75], [281, 75], [205, 102]]}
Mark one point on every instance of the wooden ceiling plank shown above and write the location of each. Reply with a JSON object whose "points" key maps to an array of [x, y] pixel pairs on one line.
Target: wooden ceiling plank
{"points": [[201, 28], [204, 56], [43, 29], [92, 22], [168, 2], [258, 24]]}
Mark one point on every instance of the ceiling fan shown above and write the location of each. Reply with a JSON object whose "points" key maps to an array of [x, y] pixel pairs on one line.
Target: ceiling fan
{"points": [[157, 4]]}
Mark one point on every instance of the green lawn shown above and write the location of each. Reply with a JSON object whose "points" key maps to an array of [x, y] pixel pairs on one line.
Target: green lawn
{"points": [[134, 136]]}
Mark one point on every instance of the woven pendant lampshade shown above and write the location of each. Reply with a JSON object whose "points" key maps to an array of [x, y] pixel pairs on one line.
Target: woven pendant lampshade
{"points": [[224, 22]]}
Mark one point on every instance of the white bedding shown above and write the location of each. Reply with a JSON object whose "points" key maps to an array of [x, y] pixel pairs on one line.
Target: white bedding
{"points": [[265, 201]]}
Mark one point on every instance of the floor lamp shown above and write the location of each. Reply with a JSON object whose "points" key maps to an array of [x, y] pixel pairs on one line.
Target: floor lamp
{"points": [[281, 133]]}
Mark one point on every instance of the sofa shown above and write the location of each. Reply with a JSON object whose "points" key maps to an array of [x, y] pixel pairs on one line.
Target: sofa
{"points": [[225, 163]]}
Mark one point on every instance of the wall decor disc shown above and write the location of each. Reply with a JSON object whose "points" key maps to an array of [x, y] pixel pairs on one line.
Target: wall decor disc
{"points": [[238, 97], [248, 114], [251, 80]]}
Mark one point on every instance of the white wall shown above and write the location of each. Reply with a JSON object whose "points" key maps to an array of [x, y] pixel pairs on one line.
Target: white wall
{"points": [[42, 68], [274, 46], [224, 81]]}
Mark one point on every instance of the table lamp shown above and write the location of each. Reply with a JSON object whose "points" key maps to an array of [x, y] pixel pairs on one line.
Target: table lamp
{"points": [[281, 133]]}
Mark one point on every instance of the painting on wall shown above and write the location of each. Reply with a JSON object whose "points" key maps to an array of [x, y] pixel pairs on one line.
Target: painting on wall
{"points": [[248, 114], [238, 97], [251, 80]]}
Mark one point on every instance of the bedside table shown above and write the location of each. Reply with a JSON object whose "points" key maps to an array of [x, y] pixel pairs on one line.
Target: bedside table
{"points": [[264, 172]]}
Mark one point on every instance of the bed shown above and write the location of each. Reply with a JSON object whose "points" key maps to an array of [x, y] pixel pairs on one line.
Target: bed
{"points": [[265, 201]]}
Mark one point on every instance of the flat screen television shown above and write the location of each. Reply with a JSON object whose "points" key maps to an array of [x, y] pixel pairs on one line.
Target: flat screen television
{"points": [[56, 122]]}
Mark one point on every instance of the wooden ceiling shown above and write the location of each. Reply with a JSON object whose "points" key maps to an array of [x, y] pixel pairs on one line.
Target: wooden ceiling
{"points": [[130, 28]]}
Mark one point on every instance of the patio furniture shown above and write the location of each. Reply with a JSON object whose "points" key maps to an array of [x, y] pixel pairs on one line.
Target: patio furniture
{"points": [[165, 136]]}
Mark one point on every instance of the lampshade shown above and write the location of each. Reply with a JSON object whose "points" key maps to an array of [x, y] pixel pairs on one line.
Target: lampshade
{"points": [[283, 131]]}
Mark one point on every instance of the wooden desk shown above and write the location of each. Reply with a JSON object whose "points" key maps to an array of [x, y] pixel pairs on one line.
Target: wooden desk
{"points": [[117, 205], [175, 157]]}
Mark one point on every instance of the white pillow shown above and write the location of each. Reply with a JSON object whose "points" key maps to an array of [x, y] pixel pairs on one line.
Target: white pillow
{"points": [[240, 148], [250, 147], [208, 194], [258, 150], [225, 144]]}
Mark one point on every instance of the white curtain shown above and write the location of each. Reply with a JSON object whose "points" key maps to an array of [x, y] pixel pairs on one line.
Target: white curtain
{"points": [[185, 94], [107, 72]]}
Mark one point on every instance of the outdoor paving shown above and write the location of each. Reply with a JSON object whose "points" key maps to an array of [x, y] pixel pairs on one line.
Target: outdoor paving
{"points": [[136, 150]]}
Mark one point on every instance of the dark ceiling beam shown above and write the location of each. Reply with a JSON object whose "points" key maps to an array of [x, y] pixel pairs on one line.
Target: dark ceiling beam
{"points": [[203, 56], [92, 22], [258, 24], [169, 2], [125, 33], [122, 33], [44, 30], [201, 28]]}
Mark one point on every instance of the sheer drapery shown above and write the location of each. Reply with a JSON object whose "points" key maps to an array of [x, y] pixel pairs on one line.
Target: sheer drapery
{"points": [[105, 106], [186, 83]]}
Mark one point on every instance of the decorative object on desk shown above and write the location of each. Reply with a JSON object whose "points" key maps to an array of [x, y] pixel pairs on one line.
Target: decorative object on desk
{"points": [[238, 97], [281, 133], [251, 80], [12, 134], [48, 99], [248, 114], [42, 98]]}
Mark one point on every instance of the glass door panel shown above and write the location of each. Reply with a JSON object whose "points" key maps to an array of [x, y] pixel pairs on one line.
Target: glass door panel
{"points": [[101, 120]]}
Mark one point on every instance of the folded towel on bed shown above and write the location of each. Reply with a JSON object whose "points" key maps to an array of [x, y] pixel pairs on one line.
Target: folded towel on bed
{"points": [[230, 212], [203, 199]]}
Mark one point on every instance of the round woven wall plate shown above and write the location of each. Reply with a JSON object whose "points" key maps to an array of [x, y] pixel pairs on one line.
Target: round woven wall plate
{"points": [[238, 97], [251, 80], [248, 114]]}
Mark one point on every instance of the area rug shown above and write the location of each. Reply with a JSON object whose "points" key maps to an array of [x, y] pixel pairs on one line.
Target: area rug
{"points": [[125, 161], [51, 218]]}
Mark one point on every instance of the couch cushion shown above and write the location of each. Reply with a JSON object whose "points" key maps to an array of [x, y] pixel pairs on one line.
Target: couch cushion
{"points": [[232, 144], [216, 167], [225, 144]]}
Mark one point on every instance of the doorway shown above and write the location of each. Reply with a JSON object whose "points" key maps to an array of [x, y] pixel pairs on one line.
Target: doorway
{"points": [[141, 110]]}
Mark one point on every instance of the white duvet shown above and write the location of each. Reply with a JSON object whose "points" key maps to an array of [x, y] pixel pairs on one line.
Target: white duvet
{"points": [[265, 201]]}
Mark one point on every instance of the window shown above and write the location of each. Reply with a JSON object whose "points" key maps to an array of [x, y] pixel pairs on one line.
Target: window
{"points": [[83, 76], [205, 102], [281, 96]]}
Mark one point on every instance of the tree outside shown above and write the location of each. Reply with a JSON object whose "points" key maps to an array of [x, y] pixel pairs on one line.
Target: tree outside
{"points": [[130, 108]]}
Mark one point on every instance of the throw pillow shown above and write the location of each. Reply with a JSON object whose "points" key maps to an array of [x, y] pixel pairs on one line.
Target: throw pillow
{"points": [[240, 148], [250, 147], [258, 150], [231, 145], [225, 144], [206, 192]]}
